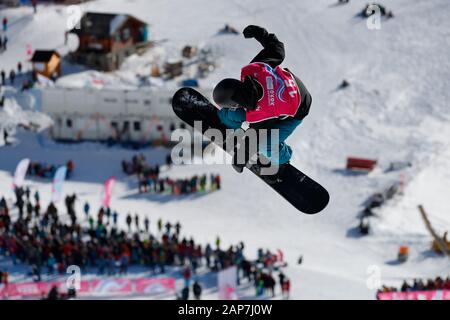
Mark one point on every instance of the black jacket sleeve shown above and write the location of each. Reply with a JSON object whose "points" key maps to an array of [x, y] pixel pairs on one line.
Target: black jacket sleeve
{"points": [[273, 52]]}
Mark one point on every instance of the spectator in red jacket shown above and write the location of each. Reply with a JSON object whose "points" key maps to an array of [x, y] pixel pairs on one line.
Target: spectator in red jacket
{"points": [[286, 288]]}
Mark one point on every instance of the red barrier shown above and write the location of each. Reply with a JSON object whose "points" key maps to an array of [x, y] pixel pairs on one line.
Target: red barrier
{"points": [[360, 164], [415, 295], [101, 287]]}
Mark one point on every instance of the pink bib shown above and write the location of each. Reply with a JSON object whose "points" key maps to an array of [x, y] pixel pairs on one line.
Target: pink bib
{"points": [[281, 95]]}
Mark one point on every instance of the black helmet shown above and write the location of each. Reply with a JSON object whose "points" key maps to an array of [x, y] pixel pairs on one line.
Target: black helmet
{"points": [[227, 93], [232, 93]]}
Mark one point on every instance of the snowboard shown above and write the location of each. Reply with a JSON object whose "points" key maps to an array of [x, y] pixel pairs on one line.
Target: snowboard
{"points": [[305, 194]]}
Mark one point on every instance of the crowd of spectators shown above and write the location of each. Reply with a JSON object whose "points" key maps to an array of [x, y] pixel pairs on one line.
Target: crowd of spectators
{"points": [[149, 179], [48, 242], [44, 170]]}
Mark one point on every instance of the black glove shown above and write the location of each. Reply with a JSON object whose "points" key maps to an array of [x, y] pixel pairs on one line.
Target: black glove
{"points": [[252, 31]]}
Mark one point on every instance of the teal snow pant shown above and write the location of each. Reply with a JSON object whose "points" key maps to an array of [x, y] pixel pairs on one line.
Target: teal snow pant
{"points": [[233, 119]]}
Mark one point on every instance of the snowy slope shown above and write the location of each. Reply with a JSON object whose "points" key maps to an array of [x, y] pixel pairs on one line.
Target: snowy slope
{"points": [[395, 109]]}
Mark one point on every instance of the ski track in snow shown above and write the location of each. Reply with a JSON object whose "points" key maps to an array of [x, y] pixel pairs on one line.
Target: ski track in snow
{"points": [[395, 109]]}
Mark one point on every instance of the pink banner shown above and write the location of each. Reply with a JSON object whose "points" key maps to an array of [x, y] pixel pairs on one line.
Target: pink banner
{"points": [[155, 285], [103, 287], [416, 295], [107, 191]]}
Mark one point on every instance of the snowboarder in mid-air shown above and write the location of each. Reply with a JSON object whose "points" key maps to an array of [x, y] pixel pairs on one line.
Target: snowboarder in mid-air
{"points": [[273, 101], [266, 97]]}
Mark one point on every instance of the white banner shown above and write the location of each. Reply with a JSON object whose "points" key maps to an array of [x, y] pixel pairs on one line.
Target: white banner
{"points": [[227, 283], [21, 172], [58, 183]]}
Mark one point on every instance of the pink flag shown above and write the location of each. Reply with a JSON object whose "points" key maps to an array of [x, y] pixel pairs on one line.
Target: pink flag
{"points": [[227, 283], [280, 255], [107, 192], [29, 51]]}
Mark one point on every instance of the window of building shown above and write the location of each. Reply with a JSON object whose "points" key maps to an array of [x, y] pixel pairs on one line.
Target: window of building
{"points": [[69, 123], [182, 126], [126, 126], [137, 126], [126, 34], [147, 102]]}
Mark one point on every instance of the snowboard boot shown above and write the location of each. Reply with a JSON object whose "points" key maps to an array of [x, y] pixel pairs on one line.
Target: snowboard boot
{"points": [[276, 178], [238, 167]]}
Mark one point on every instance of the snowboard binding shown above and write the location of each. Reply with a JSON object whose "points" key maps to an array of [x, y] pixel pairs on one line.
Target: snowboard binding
{"points": [[257, 167]]}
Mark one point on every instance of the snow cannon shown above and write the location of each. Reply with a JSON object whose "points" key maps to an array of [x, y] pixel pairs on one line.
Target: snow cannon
{"points": [[403, 254]]}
